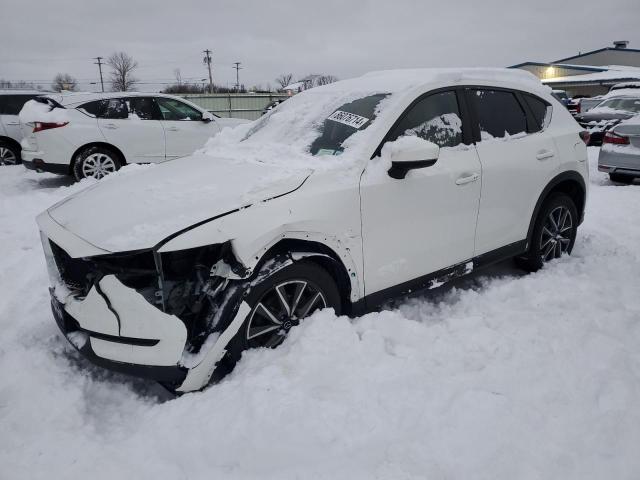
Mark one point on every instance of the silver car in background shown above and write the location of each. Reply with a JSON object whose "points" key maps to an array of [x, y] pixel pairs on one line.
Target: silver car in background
{"points": [[620, 152]]}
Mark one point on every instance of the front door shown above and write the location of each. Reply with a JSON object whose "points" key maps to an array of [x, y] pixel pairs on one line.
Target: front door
{"points": [[184, 128], [426, 221]]}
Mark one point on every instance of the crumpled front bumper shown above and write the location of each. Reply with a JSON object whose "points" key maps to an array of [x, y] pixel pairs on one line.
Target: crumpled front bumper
{"points": [[116, 327]]}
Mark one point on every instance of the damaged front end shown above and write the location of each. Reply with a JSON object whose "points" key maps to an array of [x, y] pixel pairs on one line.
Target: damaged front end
{"points": [[102, 303]]}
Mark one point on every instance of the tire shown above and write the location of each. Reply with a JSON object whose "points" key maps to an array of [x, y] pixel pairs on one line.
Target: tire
{"points": [[554, 234], [9, 154], [621, 178], [304, 280], [96, 162]]}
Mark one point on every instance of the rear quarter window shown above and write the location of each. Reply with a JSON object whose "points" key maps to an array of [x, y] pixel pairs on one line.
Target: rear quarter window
{"points": [[91, 108], [540, 110]]}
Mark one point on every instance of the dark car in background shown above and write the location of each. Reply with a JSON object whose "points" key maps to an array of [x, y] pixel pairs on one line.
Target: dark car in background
{"points": [[607, 115]]}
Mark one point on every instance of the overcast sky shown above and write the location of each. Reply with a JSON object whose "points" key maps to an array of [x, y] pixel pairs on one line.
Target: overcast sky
{"points": [[340, 37]]}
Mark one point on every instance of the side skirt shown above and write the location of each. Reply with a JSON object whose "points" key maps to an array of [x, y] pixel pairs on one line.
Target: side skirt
{"points": [[436, 279]]}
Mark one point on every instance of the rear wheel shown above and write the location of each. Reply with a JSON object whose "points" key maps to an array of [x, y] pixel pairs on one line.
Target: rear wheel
{"points": [[621, 178], [96, 162], [9, 154], [554, 233]]}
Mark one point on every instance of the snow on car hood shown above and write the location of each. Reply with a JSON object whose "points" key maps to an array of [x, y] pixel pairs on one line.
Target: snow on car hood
{"points": [[140, 208]]}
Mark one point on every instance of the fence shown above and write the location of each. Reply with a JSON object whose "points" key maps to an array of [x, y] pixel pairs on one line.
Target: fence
{"points": [[235, 105]]}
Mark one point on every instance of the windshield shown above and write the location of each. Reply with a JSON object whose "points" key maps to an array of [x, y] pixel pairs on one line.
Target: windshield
{"points": [[321, 123], [623, 104]]}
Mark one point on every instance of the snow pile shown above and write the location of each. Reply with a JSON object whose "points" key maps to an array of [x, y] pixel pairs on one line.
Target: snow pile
{"points": [[34, 111], [505, 376]]}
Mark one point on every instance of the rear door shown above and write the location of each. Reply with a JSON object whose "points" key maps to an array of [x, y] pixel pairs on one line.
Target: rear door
{"points": [[184, 127], [133, 125], [518, 158]]}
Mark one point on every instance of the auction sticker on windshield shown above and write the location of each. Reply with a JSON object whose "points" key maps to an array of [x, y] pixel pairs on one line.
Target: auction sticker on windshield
{"points": [[346, 118]]}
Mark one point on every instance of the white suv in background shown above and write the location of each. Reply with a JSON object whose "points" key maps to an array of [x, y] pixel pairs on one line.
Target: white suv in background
{"points": [[342, 197], [11, 102], [92, 135]]}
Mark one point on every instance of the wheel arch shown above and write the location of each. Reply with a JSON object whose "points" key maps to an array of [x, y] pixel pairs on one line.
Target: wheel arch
{"points": [[318, 253], [570, 183], [11, 141], [110, 146]]}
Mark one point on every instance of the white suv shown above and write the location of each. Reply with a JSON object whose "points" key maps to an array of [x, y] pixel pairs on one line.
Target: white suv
{"points": [[342, 197], [92, 135]]}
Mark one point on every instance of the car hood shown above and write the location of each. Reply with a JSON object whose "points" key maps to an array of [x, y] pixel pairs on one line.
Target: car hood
{"points": [[140, 206]]}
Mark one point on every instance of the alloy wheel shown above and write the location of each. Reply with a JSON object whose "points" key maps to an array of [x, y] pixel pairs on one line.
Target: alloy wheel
{"points": [[7, 157], [281, 308], [98, 165], [556, 234]]}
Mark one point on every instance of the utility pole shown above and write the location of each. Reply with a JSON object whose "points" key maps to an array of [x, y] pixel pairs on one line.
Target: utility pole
{"points": [[238, 68], [99, 63], [207, 61]]}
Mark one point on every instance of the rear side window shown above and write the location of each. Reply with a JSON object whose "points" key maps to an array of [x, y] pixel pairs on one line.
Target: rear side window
{"points": [[499, 113], [115, 108], [92, 108], [435, 118], [12, 104], [540, 110]]}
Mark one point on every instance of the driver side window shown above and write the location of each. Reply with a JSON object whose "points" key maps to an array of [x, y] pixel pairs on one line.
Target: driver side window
{"points": [[435, 118], [174, 110]]}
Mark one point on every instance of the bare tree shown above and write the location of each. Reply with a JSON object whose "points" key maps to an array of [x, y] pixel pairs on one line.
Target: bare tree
{"points": [[64, 81], [122, 66], [325, 79], [178, 75], [284, 80]]}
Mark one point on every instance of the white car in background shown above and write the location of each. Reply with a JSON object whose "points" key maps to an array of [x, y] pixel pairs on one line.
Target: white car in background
{"points": [[345, 196], [11, 102], [92, 135]]}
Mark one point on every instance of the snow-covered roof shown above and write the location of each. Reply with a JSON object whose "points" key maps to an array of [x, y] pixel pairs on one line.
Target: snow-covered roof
{"points": [[75, 98]]}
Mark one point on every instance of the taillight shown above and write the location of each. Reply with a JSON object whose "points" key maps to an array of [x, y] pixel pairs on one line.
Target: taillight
{"points": [[40, 126], [616, 139], [578, 107], [585, 136]]}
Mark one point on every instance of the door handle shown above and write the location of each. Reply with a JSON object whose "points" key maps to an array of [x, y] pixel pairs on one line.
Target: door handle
{"points": [[543, 154], [467, 179], [173, 129], [13, 123], [110, 126]]}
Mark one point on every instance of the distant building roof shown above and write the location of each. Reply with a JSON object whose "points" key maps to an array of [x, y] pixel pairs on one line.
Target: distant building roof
{"points": [[615, 49], [608, 74]]}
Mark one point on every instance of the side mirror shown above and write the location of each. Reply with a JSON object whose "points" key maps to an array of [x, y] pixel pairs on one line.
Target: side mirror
{"points": [[419, 154], [207, 117]]}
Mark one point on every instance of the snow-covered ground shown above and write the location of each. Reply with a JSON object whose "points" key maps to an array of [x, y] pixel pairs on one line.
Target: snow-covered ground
{"points": [[504, 376]]}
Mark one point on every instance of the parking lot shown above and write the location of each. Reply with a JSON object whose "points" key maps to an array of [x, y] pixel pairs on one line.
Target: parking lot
{"points": [[503, 375]]}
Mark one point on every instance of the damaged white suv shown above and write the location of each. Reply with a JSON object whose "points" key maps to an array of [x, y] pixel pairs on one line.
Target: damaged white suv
{"points": [[343, 197]]}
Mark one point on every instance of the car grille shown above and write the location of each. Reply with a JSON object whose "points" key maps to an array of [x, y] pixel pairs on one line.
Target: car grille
{"points": [[76, 273]]}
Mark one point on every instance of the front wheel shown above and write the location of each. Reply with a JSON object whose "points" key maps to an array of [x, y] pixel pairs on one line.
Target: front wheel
{"points": [[96, 162], [554, 233], [279, 303]]}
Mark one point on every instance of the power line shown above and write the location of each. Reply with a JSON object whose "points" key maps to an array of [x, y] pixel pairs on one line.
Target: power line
{"points": [[99, 63], [207, 60]]}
